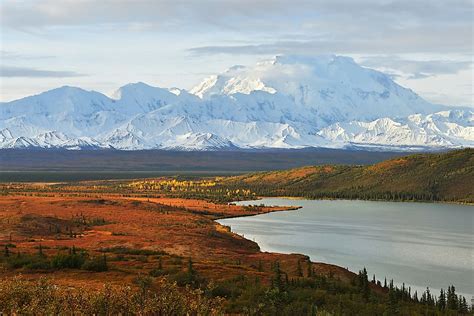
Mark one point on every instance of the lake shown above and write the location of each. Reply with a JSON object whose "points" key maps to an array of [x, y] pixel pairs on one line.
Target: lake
{"points": [[420, 244]]}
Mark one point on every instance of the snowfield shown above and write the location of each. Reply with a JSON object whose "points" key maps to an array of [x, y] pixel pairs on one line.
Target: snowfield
{"points": [[285, 102]]}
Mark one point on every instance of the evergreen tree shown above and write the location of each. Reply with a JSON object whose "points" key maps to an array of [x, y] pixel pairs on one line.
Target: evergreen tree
{"points": [[104, 262], [463, 307], [190, 267], [431, 300], [442, 300], [277, 277], [310, 270], [415, 297], [451, 298], [299, 271], [366, 291], [392, 306], [364, 284], [40, 251]]}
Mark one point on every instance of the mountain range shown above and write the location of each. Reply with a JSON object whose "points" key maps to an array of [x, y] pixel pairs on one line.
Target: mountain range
{"points": [[286, 102]]}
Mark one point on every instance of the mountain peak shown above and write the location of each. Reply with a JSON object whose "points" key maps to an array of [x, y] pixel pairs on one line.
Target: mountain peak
{"points": [[334, 86], [289, 74], [65, 91], [133, 89]]}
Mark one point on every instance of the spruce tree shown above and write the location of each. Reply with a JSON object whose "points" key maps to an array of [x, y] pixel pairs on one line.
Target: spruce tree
{"points": [[40, 251], [392, 306], [463, 307], [190, 267], [277, 277], [104, 262], [299, 271], [442, 300], [452, 299], [363, 283], [310, 270], [460, 304], [429, 298]]}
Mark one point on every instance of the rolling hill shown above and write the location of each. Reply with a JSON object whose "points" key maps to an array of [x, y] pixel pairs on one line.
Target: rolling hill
{"points": [[422, 177]]}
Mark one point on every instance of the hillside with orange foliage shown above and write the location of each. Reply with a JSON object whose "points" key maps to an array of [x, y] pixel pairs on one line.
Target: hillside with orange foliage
{"points": [[177, 228], [421, 177]]}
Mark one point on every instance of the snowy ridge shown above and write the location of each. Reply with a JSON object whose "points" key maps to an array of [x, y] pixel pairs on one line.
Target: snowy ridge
{"points": [[285, 102], [441, 129]]}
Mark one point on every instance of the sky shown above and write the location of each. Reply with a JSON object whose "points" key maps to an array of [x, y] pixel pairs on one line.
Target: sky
{"points": [[102, 45]]}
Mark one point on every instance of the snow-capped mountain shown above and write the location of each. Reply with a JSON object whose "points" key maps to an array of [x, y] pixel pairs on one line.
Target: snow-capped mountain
{"points": [[334, 88], [286, 102], [441, 129]]}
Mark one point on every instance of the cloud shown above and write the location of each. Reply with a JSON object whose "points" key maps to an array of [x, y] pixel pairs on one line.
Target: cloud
{"points": [[25, 72], [419, 40], [51, 13], [42, 13], [270, 26], [416, 69], [19, 56]]}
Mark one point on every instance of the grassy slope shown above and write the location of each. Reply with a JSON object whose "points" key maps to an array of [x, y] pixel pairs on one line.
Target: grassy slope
{"points": [[446, 176]]}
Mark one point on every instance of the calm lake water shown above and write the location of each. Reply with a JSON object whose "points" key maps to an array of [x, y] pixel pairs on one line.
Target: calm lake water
{"points": [[420, 244]]}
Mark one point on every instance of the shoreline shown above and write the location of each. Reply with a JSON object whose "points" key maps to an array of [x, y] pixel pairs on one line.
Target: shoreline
{"points": [[277, 209], [366, 200], [323, 267], [291, 208]]}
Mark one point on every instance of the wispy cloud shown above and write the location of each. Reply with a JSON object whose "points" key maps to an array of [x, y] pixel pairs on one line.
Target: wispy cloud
{"points": [[25, 72], [416, 69], [72, 12], [455, 39], [9, 55], [324, 26]]}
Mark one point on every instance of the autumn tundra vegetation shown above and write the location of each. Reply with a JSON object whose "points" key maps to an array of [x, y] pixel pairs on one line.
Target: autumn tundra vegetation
{"points": [[152, 246]]}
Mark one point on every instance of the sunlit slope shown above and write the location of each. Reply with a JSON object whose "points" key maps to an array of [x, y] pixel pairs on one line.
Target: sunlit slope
{"points": [[444, 176]]}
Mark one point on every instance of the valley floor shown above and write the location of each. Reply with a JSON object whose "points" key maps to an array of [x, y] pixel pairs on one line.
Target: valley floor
{"points": [[85, 235], [178, 227]]}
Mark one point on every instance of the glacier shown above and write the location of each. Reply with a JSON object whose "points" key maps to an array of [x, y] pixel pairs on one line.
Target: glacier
{"points": [[285, 102]]}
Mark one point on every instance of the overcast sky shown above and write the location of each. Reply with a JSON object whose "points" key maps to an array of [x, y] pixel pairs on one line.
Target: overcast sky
{"points": [[102, 45]]}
